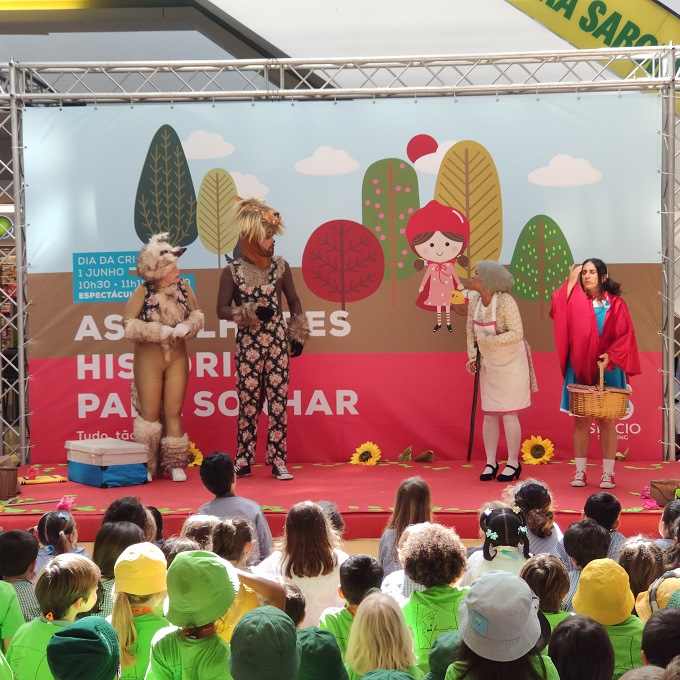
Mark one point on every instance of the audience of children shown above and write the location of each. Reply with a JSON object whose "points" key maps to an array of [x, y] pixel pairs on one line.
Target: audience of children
{"points": [[434, 557], [217, 475], [308, 555], [109, 543], [505, 530], [140, 573], [220, 615], [18, 558], [549, 580], [66, 587], [412, 505], [359, 574], [604, 594], [534, 500]]}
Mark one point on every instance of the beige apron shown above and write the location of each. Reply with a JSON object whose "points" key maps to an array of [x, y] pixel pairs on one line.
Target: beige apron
{"points": [[505, 379]]}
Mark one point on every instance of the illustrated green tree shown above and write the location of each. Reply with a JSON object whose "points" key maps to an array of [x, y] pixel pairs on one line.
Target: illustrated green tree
{"points": [[215, 198], [389, 196], [166, 199], [468, 181], [541, 260]]}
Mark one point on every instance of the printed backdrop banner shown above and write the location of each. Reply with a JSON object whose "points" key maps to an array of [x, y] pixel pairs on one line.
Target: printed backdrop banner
{"points": [[544, 181]]}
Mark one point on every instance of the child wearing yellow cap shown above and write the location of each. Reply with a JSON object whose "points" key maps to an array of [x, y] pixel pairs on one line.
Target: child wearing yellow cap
{"points": [[140, 574]]}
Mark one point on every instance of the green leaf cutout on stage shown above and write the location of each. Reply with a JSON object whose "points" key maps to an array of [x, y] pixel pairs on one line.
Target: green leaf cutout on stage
{"points": [[541, 261], [166, 199], [468, 181], [389, 196], [215, 198]]}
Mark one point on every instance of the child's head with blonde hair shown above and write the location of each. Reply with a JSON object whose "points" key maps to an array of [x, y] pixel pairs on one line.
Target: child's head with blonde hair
{"points": [[140, 573], [200, 528], [379, 636]]}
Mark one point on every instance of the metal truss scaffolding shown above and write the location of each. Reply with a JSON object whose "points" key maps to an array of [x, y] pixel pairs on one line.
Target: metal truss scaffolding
{"points": [[23, 85]]}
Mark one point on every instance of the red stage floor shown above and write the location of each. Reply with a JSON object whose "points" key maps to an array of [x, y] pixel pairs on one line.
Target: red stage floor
{"points": [[364, 495]]}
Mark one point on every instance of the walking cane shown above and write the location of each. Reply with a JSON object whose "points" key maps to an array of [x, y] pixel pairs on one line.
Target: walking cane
{"points": [[474, 402]]}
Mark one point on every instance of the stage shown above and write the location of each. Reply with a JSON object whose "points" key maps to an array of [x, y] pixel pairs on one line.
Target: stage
{"points": [[364, 494]]}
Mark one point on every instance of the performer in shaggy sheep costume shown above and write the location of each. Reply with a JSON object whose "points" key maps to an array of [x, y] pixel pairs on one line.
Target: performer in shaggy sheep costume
{"points": [[250, 295], [161, 315]]}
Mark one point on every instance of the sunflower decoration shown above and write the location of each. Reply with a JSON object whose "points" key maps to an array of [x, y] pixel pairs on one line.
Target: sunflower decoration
{"points": [[536, 450], [366, 454], [196, 455]]}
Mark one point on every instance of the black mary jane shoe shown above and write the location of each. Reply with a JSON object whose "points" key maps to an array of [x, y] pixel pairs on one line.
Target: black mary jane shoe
{"points": [[488, 476], [448, 327], [516, 471], [436, 328]]}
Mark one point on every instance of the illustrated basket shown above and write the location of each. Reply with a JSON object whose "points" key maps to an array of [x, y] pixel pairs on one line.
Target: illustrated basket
{"points": [[8, 482], [598, 401]]}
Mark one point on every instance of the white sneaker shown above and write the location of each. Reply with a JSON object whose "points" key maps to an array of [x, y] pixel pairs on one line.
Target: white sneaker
{"points": [[149, 478], [178, 475], [579, 478], [281, 473], [607, 481]]}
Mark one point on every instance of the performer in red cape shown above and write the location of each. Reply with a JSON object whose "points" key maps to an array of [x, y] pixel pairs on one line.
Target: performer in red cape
{"points": [[592, 326], [250, 294], [438, 234]]}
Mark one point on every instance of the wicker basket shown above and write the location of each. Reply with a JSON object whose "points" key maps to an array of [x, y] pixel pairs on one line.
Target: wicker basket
{"points": [[8, 482], [598, 401]]}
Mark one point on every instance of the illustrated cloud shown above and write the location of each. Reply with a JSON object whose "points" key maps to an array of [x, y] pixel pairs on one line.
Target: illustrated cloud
{"points": [[430, 162], [249, 185], [327, 161], [565, 171], [202, 144]]}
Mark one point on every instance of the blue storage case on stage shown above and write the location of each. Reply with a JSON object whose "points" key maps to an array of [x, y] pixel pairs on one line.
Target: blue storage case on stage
{"points": [[106, 463]]}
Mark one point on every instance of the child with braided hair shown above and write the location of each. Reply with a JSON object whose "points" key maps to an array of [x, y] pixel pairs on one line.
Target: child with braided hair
{"points": [[505, 531]]}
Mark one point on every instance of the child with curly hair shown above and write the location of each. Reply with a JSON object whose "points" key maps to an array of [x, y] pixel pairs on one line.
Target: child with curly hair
{"points": [[433, 556], [533, 498], [504, 531]]}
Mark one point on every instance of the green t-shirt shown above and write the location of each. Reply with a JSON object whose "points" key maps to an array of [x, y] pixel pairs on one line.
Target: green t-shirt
{"points": [[626, 639], [11, 617], [27, 654], [5, 670], [179, 658], [554, 618], [146, 625], [428, 615], [413, 671], [338, 621], [457, 669]]}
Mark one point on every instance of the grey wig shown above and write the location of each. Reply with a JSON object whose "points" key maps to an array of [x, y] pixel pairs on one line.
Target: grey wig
{"points": [[495, 277]]}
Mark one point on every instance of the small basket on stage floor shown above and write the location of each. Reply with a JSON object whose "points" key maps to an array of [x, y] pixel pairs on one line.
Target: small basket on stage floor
{"points": [[598, 401]]}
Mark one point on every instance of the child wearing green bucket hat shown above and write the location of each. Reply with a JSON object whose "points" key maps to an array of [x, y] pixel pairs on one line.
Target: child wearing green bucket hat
{"points": [[201, 587], [140, 574]]}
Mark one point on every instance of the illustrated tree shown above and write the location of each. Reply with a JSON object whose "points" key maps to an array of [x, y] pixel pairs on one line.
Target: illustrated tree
{"points": [[166, 199], [390, 196], [468, 181], [215, 198], [541, 260], [343, 262]]}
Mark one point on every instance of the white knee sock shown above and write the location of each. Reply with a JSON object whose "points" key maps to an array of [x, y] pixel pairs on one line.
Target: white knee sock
{"points": [[491, 431]]}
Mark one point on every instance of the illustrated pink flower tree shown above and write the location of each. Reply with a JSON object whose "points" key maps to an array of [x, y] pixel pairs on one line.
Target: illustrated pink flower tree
{"points": [[390, 196], [342, 262]]}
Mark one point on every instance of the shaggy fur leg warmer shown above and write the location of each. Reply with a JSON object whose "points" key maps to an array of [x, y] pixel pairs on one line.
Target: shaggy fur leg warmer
{"points": [[149, 435], [298, 328], [175, 452]]}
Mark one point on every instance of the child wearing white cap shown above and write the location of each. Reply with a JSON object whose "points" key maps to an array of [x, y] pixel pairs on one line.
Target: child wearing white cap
{"points": [[501, 632]]}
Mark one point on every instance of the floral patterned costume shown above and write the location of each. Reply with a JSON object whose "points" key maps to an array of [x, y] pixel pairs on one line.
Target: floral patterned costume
{"points": [[262, 370]]}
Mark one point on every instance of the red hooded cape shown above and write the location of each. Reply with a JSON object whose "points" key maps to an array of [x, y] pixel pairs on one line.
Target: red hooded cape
{"points": [[577, 339]]}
